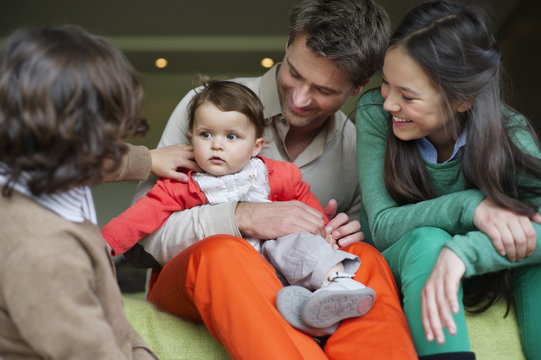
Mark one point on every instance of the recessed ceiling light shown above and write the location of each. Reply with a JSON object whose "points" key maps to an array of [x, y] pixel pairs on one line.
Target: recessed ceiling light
{"points": [[267, 62], [160, 63]]}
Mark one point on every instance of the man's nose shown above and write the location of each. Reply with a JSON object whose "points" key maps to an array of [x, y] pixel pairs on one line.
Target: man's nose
{"points": [[301, 96]]}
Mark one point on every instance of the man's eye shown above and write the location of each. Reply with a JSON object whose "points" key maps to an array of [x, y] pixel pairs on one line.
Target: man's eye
{"points": [[325, 91], [294, 75], [407, 98]]}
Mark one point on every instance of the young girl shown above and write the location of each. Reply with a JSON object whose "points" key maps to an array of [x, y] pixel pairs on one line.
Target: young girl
{"points": [[67, 98], [226, 125], [450, 176]]}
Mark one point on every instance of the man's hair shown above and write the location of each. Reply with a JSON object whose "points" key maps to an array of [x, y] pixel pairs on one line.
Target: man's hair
{"points": [[352, 33], [67, 98], [229, 96]]}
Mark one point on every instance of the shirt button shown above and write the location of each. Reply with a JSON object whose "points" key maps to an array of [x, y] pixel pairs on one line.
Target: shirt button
{"points": [[284, 121]]}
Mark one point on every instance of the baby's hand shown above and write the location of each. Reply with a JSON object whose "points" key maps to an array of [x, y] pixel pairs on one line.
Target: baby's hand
{"points": [[332, 241]]}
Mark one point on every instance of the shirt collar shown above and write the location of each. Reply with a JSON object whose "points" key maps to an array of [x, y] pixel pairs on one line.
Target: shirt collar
{"points": [[268, 93], [430, 154], [75, 204]]}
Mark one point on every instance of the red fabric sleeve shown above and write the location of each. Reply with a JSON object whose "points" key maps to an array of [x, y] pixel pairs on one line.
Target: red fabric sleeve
{"points": [[150, 212]]}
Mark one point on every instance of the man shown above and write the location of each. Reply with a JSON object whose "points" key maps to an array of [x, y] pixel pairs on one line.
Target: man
{"points": [[332, 50]]}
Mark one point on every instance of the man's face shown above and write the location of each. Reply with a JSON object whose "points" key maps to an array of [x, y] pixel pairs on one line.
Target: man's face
{"points": [[311, 88]]}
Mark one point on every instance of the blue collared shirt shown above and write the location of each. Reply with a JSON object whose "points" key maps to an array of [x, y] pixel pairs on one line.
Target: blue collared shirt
{"points": [[430, 154]]}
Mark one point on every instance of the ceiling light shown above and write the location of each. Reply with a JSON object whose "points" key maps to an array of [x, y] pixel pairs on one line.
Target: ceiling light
{"points": [[160, 63], [267, 63]]}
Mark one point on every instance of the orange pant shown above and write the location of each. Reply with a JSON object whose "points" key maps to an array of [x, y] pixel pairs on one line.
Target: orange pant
{"points": [[224, 282]]}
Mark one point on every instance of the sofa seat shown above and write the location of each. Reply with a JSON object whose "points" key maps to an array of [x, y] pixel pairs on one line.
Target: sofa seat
{"points": [[492, 336]]}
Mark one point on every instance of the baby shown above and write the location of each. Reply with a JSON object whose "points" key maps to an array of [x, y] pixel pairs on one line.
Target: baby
{"points": [[226, 125]]}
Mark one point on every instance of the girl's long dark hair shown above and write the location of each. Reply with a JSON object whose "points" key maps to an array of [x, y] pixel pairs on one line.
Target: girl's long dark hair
{"points": [[455, 49]]}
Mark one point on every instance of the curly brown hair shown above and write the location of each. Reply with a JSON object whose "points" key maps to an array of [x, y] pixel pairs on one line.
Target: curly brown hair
{"points": [[67, 99]]}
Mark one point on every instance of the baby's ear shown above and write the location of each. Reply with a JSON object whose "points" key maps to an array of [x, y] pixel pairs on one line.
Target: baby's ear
{"points": [[190, 136], [259, 142]]}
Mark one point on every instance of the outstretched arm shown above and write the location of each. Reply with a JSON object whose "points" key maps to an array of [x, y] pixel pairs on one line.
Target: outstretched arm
{"points": [[147, 214]]}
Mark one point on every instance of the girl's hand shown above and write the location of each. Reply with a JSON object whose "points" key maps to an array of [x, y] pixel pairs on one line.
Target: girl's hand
{"points": [[167, 161], [439, 296], [512, 234]]}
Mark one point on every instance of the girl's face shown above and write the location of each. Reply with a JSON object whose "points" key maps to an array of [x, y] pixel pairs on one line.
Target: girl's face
{"points": [[417, 107], [223, 141]]}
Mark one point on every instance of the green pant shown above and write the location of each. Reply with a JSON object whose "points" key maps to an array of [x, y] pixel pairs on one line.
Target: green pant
{"points": [[527, 296], [412, 259]]}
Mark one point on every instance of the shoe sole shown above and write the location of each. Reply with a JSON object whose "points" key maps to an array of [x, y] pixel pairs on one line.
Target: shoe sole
{"points": [[329, 307], [290, 302]]}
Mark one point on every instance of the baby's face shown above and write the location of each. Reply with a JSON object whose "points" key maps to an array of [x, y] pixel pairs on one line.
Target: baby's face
{"points": [[223, 141]]}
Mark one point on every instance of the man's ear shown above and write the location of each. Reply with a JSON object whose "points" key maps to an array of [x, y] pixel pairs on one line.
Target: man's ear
{"points": [[259, 142], [358, 89], [465, 105]]}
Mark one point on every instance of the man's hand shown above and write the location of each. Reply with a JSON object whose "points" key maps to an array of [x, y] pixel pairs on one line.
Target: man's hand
{"points": [[439, 296], [512, 234], [343, 231], [167, 161], [272, 220]]}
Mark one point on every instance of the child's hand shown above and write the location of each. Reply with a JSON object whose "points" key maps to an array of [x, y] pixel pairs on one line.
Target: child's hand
{"points": [[343, 231], [167, 161], [439, 296], [332, 241], [512, 234]]}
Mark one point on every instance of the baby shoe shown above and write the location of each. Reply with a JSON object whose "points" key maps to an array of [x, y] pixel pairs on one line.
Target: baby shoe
{"points": [[290, 301], [342, 298]]}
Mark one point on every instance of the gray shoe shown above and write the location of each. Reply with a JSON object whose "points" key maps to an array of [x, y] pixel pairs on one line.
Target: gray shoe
{"points": [[343, 298], [290, 302]]}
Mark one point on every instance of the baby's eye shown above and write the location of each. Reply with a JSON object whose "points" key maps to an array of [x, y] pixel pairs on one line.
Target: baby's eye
{"points": [[205, 135], [232, 137]]}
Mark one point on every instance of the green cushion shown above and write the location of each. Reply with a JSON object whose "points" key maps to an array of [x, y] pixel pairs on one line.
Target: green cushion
{"points": [[169, 337], [492, 336]]}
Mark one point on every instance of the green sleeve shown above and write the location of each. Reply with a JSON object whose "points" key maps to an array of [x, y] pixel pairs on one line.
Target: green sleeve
{"points": [[475, 249], [387, 221]]}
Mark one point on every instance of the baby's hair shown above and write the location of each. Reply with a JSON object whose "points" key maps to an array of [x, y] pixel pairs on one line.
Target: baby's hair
{"points": [[67, 99], [229, 96]]}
